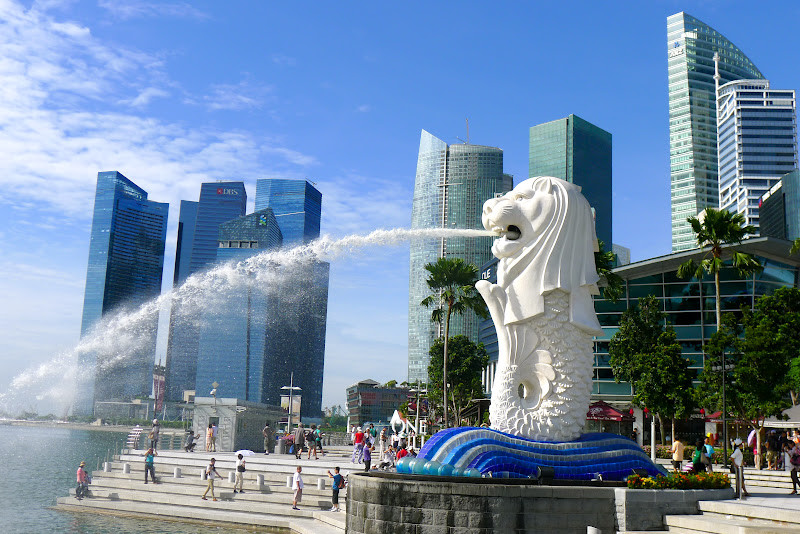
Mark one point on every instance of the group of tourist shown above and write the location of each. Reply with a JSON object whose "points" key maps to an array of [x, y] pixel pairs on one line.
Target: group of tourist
{"points": [[780, 448], [307, 438], [389, 450]]}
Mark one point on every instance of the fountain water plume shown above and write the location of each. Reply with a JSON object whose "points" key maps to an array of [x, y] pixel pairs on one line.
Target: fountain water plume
{"points": [[120, 334]]}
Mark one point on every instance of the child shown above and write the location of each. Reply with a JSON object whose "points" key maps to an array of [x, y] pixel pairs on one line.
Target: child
{"points": [[297, 486], [338, 483]]}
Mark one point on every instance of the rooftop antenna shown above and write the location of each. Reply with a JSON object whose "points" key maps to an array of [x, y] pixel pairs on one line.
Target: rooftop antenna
{"points": [[467, 119]]}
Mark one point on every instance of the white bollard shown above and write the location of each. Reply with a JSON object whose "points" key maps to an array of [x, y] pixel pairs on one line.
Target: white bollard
{"points": [[176, 473], [320, 483], [593, 530], [106, 467], [289, 480], [126, 468], [231, 477], [260, 480]]}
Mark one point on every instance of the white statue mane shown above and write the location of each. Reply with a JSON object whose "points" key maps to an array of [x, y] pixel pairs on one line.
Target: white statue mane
{"points": [[542, 308]]}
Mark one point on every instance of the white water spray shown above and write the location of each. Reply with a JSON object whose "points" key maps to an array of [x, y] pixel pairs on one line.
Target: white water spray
{"points": [[121, 334]]}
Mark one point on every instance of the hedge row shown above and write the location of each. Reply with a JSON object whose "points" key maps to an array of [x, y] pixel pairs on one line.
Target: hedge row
{"points": [[681, 481]]}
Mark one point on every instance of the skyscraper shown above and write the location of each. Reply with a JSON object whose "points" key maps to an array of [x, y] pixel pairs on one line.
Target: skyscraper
{"points": [[297, 334], [451, 185], [126, 260], [197, 250], [579, 152], [779, 209], [234, 333], [757, 132], [692, 116]]}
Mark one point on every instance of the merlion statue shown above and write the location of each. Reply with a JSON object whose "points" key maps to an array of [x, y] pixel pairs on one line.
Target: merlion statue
{"points": [[542, 308]]}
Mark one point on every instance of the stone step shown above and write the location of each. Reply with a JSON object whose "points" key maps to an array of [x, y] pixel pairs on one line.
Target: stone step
{"points": [[751, 511], [208, 512], [768, 484], [234, 501], [318, 467], [320, 500], [191, 484], [693, 524]]}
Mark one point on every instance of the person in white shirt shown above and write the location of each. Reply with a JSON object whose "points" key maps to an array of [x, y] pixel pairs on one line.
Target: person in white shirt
{"points": [[211, 474], [737, 458], [297, 486], [240, 469]]}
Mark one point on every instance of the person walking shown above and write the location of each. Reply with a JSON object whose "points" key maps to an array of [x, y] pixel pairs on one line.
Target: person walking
{"points": [[698, 465], [214, 431], [211, 474], [368, 448], [153, 436], [311, 440], [269, 438], [149, 465], [677, 454], [82, 489], [318, 436], [358, 447], [240, 469], [709, 453], [299, 440], [383, 441], [338, 483], [793, 451], [297, 486], [737, 460]]}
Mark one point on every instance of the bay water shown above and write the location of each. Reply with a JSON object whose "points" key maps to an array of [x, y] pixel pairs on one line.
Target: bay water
{"points": [[38, 465]]}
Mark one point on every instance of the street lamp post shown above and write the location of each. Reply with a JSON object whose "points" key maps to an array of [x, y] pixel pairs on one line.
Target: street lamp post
{"points": [[214, 385], [291, 387]]}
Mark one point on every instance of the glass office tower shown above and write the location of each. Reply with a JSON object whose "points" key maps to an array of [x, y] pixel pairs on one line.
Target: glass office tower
{"points": [[757, 132], [579, 152], [779, 208], [451, 185], [235, 328], [197, 250], [126, 260], [297, 335], [692, 116]]}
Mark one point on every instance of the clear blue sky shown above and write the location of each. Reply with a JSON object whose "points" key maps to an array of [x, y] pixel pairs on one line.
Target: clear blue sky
{"points": [[172, 94]]}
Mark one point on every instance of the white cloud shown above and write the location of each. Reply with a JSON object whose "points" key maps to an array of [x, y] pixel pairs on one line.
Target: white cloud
{"points": [[145, 96], [129, 9], [364, 108], [237, 97]]}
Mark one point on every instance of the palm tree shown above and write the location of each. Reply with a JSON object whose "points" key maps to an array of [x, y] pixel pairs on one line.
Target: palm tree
{"points": [[452, 281], [717, 229], [605, 261]]}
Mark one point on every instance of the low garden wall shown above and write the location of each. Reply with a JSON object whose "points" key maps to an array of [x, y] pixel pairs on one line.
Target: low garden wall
{"points": [[403, 504]]}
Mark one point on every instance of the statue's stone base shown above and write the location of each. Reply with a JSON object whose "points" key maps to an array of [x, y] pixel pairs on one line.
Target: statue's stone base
{"points": [[405, 504]]}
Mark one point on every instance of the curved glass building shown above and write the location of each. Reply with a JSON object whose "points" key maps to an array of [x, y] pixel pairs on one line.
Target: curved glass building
{"points": [[452, 183], [693, 118]]}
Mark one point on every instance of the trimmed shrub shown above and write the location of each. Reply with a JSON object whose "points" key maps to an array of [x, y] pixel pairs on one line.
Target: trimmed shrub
{"points": [[681, 481]]}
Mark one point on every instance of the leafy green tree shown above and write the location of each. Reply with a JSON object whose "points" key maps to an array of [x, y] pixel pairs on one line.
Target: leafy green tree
{"points": [[795, 246], [645, 352], [759, 354], [718, 229], [452, 282], [611, 282], [467, 362]]}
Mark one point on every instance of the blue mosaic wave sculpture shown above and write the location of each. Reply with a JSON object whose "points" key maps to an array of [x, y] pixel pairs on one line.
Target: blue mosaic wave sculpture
{"points": [[470, 451]]}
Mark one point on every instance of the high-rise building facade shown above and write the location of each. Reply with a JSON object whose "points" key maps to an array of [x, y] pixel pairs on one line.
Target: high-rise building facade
{"points": [[779, 210], [126, 260], [451, 185], [297, 338], [691, 45], [234, 332], [579, 152], [757, 133], [197, 250]]}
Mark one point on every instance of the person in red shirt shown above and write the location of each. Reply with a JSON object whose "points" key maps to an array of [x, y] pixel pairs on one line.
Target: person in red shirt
{"points": [[358, 447], [83, 482], [401, 453]]}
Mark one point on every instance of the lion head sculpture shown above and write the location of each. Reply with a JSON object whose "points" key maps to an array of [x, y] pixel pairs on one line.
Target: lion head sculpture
{"points": [[547, 241]]}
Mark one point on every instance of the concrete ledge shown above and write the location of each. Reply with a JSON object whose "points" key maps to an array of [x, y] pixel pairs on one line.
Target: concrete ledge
{"points": [[399, 504]]}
